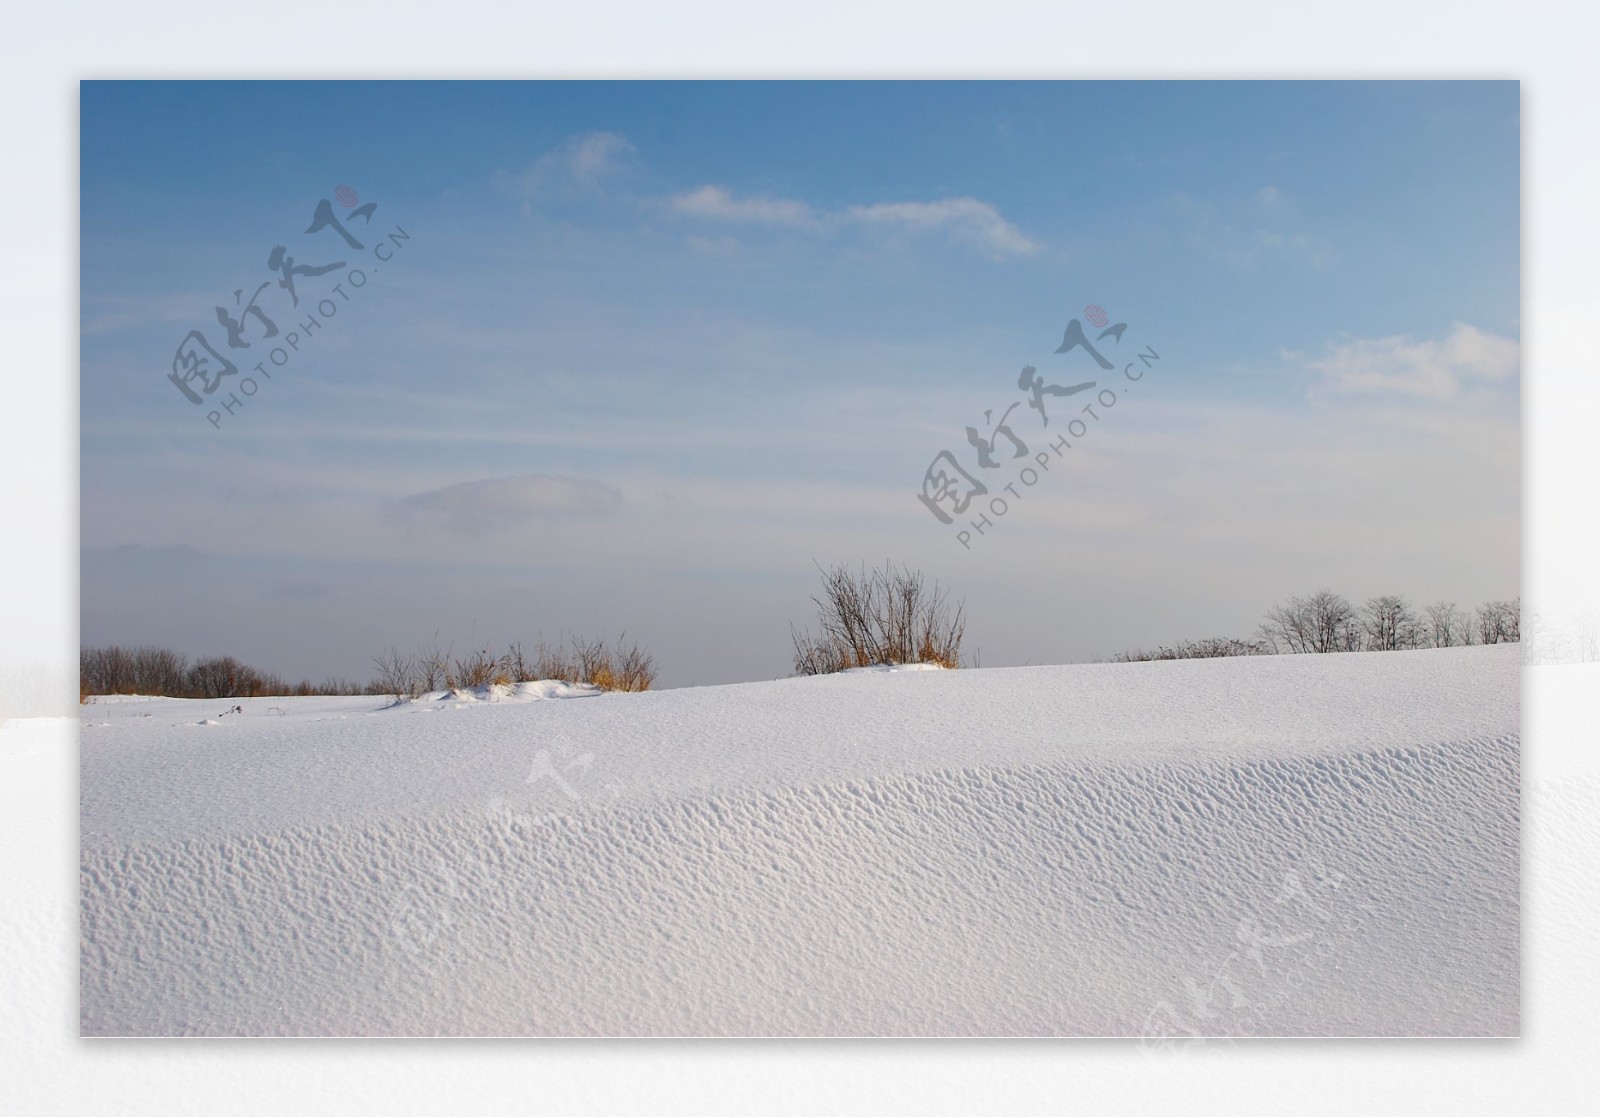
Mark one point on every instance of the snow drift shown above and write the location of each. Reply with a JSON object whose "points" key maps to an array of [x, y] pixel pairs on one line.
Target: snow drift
{"points": [[1316, 845]]}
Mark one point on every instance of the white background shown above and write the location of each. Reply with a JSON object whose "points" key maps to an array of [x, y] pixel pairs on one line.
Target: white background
{"points": [[44, 1068]]}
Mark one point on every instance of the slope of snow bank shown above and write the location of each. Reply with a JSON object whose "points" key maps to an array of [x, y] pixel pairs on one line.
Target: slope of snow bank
{"points": [[1287, 845]]}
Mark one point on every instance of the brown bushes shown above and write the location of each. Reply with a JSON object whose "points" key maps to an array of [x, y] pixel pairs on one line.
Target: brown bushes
{"points": [[114, 670], [882, 616], [623, 667]]}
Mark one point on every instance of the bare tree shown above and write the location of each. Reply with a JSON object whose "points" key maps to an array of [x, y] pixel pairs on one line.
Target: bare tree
{"points": [[223, 677], [1324, 622], [1487, 628], [1586, 634], [1284, 629], [1500, 622], [114, 670], [1445, 626], [1543, 642], [1388, 624]]}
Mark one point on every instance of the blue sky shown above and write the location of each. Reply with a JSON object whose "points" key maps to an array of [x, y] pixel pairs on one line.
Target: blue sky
{"points": [[653, 350]]}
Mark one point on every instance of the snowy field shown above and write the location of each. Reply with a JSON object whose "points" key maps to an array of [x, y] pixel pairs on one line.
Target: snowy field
{"points": [[1294, 845]]}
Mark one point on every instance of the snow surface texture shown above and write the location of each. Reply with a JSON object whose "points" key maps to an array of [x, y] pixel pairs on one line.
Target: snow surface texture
{"points": [[1294, 845]]}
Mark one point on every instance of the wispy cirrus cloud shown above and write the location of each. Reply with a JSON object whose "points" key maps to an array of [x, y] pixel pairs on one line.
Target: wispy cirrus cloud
{"points": [[490, 503], [717, 203], [591, 155], [965, 220], [1403, 366], [1269, 198], [580, 162], [583, 161], [968, 220]]}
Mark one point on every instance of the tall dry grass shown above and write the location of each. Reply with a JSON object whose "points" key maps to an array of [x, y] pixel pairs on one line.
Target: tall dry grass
{"points": [[610, 667]]}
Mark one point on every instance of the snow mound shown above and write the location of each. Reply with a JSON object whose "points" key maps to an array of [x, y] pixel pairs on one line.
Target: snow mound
{"points": [[526, 692], [896, 668], [1320, 845]]}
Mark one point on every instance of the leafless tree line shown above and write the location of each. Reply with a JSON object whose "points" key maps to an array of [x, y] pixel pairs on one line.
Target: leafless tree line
{"points": [[34, 691], [149, 670], [1329, 622], [1205, 649], [1572, 640]]}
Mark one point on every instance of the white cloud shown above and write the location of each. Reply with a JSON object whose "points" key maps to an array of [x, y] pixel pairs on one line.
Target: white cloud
{"points": [[716, 203], [580, 161], [476, 506], [966, 219], [583, 160], [1398, 365], [594, 154]]}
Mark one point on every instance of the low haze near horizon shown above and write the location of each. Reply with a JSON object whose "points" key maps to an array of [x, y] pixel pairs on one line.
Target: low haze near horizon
{"points": [[646, 354]]}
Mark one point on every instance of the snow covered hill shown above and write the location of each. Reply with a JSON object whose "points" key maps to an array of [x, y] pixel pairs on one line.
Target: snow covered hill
{"points": [[1312, 845]]}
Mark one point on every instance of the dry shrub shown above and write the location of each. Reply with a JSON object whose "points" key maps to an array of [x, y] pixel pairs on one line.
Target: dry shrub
{"points": [[1209, 648], [882, 616], [623, 667], [399, 676], [478, 670], [433, 666]]}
